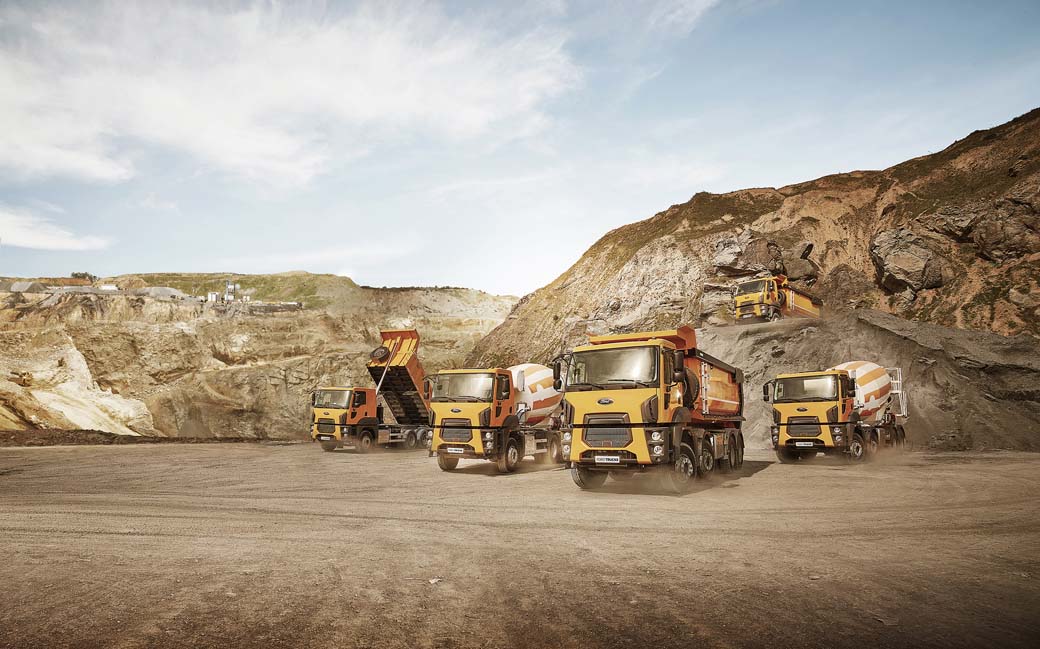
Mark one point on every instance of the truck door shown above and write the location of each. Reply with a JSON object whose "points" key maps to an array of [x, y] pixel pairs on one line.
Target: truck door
{"points": [[503, 405], [358, 407]]}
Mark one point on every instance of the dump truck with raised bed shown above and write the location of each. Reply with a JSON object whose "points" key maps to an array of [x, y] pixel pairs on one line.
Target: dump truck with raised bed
{"points": [[495, 414], [771, 298], [353, 415], [650, 401], [853, 409]]}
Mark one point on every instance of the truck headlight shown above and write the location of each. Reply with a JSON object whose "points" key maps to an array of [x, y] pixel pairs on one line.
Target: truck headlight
{"points": [[656, 436], [837, 439], [658, 450], [566, 449], [836, 429], [566, 437], [487, 434]]}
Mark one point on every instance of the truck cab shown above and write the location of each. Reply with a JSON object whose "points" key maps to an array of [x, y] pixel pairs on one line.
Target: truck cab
{"points": [[339, 414], [814, 412], [648, 401]]}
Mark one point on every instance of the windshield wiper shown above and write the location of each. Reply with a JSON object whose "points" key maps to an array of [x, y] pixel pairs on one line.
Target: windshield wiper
{"points": [[465, 398], [591, 385]]}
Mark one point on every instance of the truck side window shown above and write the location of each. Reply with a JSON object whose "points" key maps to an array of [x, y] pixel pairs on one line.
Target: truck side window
{"points": [[359, 399], [503, 387]]}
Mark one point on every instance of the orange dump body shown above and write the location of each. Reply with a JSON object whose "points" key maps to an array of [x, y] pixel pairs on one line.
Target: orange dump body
{"points": [[402, 376]]}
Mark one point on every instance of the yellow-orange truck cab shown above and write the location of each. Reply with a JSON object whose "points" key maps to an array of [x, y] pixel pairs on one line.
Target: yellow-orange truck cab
{"points": [[353, 415], [825, 412], [772, 298], [476, 415], [651, 400]]}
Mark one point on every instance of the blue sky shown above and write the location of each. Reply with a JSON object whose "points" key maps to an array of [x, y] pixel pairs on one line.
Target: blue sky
{"points": [[466, 144]]}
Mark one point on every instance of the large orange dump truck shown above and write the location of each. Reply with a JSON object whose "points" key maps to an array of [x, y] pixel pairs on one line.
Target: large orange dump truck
{"points": [[649, 401], [354, 416], [772, 298]]}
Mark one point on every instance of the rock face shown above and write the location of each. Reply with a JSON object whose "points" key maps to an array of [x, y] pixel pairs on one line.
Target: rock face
{"points": [[133, 364], [951, 238]]}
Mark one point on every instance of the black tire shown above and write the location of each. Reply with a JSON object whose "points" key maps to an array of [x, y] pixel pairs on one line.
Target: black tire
{"points": [[873, 445], [365, 442], [740, 451], [774, 316], [329, 447], [510, 458], [410, 441], [447, 463], [785, 456], [706, 463], [588, 479], [857, 449], [555, 451], [732, 461], [683, 473], [901, 438]]}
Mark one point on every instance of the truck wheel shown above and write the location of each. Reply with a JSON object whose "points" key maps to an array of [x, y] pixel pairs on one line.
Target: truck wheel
{"points": [[900, 438], [329, 447], [740, 452], [555, 453], [410, 441], [785, 456], [685, 470], [732, 461], [857, 448], [873, 445], [587, 479], [365, 442], [774, 316], [447, 463], [510, 458], [707, 463]]}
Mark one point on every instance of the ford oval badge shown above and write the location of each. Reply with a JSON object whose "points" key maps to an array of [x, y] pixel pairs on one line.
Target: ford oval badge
{"points": [[803, 410], [456, 410], [605, 401]]}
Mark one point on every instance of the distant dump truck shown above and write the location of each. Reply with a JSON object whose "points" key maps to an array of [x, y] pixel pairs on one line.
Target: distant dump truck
{"points": [[649, 401], [493, 414], [772, 298], [353, 416], [853, 409]]}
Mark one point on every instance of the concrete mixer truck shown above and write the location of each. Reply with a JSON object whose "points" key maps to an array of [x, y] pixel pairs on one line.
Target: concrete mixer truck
{"points": [[495, 414], [853, 409]]}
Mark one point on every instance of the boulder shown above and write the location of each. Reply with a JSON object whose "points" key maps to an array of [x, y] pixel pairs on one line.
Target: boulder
{"points": [[904, 261], [1011, 228]]}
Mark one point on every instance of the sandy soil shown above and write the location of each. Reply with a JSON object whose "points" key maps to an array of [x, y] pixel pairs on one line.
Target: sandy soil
{"points": [[286, 546]]}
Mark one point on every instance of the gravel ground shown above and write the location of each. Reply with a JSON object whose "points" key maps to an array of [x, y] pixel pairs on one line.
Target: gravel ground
{"points": [[285, 546]]}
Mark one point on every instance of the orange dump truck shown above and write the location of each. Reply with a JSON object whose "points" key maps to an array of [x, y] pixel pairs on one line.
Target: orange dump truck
{"points": [[354, 416], [772, 298], [649, 401]]}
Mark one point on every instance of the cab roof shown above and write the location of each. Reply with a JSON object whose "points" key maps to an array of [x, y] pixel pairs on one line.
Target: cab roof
{"points": [[682, 338]]}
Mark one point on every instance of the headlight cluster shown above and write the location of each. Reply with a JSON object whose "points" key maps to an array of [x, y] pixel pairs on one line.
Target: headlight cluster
{"points": [[836, 434], [489, 442], [657, 444], [567, 437], [775, 434]]}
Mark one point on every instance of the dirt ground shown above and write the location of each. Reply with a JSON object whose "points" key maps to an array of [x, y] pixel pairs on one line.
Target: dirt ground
{"points": [[285, 546]]}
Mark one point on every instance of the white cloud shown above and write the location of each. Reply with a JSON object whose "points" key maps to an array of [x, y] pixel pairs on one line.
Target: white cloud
{"points": [[273, 93], [327, 259], [24, 229], [153, 202], [678, 16]]}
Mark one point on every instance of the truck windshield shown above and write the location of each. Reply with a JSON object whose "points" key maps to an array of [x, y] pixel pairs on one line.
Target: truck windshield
{"points": [[331, 398], [749, 288], [806, 388], [463, 387], [602, 368]]}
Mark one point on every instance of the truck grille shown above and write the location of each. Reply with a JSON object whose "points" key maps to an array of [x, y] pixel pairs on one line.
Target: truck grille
{"points": [[604, 435], [449, 434], [326, 426], [803, 427]]}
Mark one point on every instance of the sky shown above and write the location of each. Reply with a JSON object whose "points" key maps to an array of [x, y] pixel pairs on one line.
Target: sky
{"points": [[457, 143]]}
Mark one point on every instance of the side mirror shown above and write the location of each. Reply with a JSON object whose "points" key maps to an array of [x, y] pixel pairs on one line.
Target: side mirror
{"points": [[558, 385], [679, 373], [766, 389], [314, 399], [427, 389], [557, 370]]}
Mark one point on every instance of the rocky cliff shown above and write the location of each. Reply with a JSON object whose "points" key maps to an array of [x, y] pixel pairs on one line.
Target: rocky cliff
{"points": [[951, 238], [135, 364]]}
